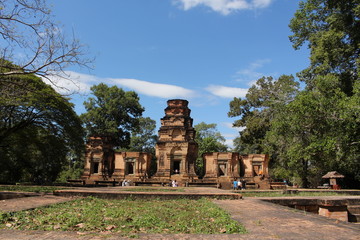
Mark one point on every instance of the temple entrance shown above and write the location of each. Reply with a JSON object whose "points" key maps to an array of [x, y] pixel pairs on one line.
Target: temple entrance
{"points": [[257, 168], [129, 166], [222, 169], [95, 167], [176, 167]]}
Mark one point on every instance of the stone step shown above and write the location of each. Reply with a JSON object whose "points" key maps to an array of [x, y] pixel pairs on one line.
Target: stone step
{"points": [[353, 209]]}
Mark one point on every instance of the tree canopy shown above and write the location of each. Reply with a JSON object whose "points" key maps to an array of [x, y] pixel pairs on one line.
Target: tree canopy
{"points": [[311, 131], [112, 112], [331, 30], [143, 139], [209, 139], [263, 100], [38, 128]]}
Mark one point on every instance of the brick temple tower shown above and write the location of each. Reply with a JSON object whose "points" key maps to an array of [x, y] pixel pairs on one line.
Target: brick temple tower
{"points": [[176, 149]]}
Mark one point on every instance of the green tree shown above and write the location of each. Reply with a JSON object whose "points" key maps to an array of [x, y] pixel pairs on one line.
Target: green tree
{"points": [[209, 139], [317, 133], [331, 30], [38, 127], [144, 138], [112, 112], [262, 102]]}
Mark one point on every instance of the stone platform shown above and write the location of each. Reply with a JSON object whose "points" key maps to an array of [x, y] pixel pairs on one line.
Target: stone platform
{"points": [[158, 193]]}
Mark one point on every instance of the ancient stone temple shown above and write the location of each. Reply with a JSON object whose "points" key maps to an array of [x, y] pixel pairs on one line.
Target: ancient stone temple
{"points": [[176, 154], [99, 158], [103, 164], [221, 166], [176, 149]]}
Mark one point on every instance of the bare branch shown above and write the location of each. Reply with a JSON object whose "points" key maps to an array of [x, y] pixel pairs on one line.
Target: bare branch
{"points": [[33, 43]]}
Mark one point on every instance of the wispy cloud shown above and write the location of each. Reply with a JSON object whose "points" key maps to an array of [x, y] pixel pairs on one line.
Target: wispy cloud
{"points": [[226, 92], [230, 126], [155, 89], [74, 82], [224, 7], [252, 73]]}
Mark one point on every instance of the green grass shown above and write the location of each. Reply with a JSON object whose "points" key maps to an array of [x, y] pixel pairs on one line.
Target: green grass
{"points": [[299, 194], [20, 188], [127, 217], [153, 189]]}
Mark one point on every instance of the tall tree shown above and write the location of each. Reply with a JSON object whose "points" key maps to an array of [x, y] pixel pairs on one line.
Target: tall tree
{"points": [[112, 112], [38, 127], [144, 138], [263, 100], [331, 30], [316, 133], [27, 27], [209, 140]]}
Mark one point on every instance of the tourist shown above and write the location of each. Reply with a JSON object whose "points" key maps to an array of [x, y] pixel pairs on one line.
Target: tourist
{"points": [[240, 185], [243, 185], [235, 184], [174, 183], [123, 184]]}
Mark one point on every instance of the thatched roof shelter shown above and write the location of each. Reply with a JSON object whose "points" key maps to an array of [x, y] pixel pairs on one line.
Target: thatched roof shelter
{"points": [[333, 174]]}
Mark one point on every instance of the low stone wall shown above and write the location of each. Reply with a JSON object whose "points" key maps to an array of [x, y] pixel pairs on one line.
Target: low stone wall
{"points": [[10, 195], [344, 209], [145, 195]]}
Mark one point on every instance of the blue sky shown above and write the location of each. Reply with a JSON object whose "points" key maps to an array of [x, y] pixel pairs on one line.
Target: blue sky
{"points": [[205, 51]]}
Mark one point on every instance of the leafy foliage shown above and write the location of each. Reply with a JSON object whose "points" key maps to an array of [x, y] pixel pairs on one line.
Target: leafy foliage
{"points": [[315, 130], [112, 112], [209, 139], [38, 127], [263, 100], [144, 138], [331, 30]]}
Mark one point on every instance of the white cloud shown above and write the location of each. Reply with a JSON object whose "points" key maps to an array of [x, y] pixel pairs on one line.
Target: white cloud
{"points": [[155, 89], [230, 125], [224, 7], [251, 74], [74, 82], [226, 92]]}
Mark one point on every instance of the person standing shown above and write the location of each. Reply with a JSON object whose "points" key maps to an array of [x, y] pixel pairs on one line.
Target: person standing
{"points": [[235, 184], [240, 184]]}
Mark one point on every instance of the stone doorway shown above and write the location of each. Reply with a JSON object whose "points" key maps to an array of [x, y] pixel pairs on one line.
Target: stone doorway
{"points": [[222, 169], [129, 166], [95, 167], [176, 167]]}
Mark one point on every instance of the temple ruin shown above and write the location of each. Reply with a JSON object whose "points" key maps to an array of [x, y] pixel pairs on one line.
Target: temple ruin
{"points": [[176, 154]]}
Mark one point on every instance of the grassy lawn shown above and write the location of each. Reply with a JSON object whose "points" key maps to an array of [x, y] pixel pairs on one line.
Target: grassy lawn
{"points": [[153, 189], [21, 188], [127, 217]]}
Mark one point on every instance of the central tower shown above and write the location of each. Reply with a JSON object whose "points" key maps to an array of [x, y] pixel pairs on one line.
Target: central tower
{"points": [[176, 149]]}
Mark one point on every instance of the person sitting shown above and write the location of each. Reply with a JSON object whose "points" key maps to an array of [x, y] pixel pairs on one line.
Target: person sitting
{"points": [[174, 183]]}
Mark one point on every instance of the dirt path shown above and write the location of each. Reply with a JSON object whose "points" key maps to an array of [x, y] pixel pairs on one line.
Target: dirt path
{"points": [[269, 221], [24, 203]]}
